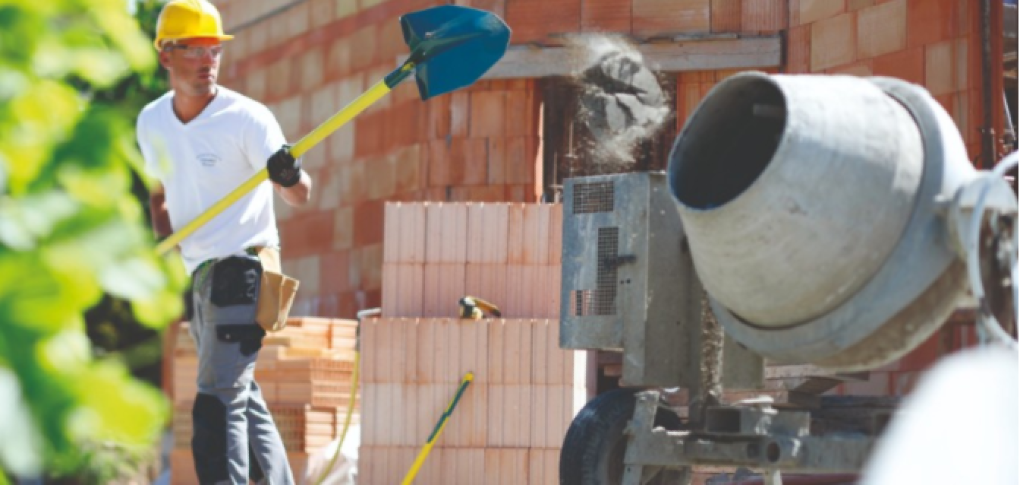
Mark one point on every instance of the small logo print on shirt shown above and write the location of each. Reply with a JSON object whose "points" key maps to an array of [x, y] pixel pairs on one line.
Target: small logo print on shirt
{"points": [[208, 159]]}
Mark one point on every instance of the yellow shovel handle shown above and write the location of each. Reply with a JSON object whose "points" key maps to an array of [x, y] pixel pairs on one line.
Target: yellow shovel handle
{"points": [[359, 104]]}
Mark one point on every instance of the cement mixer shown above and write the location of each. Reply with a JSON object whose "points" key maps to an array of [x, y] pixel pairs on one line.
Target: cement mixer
{"points": [[826, 220]]}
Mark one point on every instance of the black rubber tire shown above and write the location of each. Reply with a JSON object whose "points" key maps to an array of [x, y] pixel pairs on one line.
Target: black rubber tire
{"points": [[594, 446]]}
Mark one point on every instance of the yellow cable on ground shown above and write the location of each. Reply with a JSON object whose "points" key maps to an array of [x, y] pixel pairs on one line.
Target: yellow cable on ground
{"points": [[424, 453]]}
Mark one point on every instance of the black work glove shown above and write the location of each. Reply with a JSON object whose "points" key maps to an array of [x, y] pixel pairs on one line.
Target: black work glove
{"points": [[283, 168]]}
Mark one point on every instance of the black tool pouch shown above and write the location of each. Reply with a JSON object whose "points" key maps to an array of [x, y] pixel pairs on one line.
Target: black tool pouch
{"points": [[248, 335], [235, 281]]}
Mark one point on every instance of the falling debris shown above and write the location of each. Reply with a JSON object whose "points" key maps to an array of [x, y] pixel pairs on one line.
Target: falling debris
{"points": [[622, 102]]}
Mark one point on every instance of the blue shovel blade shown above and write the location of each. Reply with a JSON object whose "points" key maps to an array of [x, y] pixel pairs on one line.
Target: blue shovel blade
{"points": [[452, 46]]}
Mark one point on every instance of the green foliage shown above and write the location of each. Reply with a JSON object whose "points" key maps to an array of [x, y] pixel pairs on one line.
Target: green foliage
{"points": [[72, 230]]}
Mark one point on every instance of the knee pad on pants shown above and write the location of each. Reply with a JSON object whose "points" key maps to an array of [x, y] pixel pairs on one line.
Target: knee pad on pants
{"points": [[209, 441]]}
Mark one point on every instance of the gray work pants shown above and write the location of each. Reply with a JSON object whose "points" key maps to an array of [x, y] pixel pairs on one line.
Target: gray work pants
{"points": [[231, 419]]}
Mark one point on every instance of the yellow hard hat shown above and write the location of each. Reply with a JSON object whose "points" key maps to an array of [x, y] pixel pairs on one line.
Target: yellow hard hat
{"points": [[189, 19]]}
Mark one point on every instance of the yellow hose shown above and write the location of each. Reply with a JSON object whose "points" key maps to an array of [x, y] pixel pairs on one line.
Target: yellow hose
{"points": [[440, 426], [347, 419]]}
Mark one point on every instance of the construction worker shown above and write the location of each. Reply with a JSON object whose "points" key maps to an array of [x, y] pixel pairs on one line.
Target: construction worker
{"points": [[201, 141]]}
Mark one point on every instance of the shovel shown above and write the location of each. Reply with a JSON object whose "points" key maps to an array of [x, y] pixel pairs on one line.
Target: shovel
{"points": [[451, 47]]}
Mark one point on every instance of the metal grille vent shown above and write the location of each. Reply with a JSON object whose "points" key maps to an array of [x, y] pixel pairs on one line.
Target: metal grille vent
{"points": [[593, 197], [601, 300]]}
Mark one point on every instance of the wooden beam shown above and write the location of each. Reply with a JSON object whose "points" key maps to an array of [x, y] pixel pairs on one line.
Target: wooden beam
{"points": [[681, 55]]}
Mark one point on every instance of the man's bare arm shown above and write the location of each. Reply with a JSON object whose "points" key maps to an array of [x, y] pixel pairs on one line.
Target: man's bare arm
{"points": [[157, 209], [298, 194]]}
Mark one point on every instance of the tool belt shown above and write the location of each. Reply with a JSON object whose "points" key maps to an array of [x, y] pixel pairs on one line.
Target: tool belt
{"points": [[276, 291]]}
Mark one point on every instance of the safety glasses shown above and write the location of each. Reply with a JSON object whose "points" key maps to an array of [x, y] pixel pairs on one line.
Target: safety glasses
{"points": [[198, 51]]}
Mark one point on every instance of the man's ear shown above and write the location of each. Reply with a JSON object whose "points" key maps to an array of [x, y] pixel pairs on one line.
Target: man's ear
{"points": [[164, 59]]}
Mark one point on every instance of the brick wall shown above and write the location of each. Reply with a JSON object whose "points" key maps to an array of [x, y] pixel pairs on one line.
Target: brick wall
{"points": [[307, 59]]}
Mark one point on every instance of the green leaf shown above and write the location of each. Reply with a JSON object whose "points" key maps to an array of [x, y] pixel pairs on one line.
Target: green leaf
{"points": [[20, 448]]}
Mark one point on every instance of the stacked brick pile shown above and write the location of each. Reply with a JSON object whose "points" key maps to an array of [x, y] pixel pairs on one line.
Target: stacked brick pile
{"points": [[510, 423], [305, 374]]}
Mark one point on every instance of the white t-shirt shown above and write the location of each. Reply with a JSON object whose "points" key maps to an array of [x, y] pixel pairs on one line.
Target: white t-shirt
{"points": [[204, 160]]}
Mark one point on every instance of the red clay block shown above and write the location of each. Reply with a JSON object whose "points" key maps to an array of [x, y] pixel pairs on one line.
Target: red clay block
{"points": [[605, 16], [540, 352], [368, 223], [496, 174], [939, 76], [488, 113], [961, 110], [514, 466], [457, 162], [852, 5], [533, 20], [962, 68], [430, 301], [882, 29], [811, 11], [333, 277], [496, 417], [439, 173], [487, 232], [460, 112], [391, 232], [512, 353], [307, 234], [516, 122], [832, 42], [369, 339], [448, 463], [451, 238], [659, 17], [412, 234], [517, 414], [492, 470], [763, 16], [517, 161], [930, 21], [476, 162], [527, 350], [409, 176], [726, 15], [497, 7], [391, 40], [539, 424], [380, 177], [497, 351], [408, 337], [905, 64], [439, 117], [516, 303], [536, 233], [556, 415], [691, 95], [364, 47], [515, 234]]}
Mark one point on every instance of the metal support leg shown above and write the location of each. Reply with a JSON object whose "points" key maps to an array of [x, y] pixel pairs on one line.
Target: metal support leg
{"points": [[772, 477], [640, 424]]}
